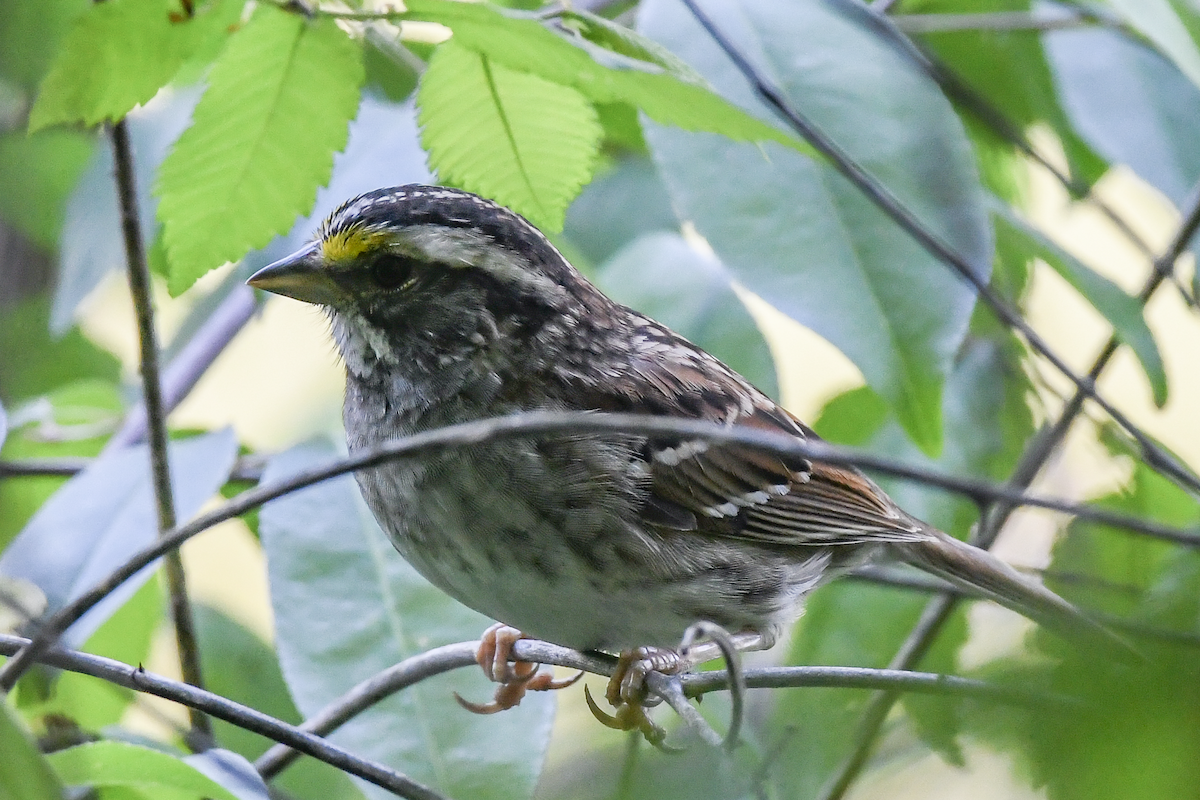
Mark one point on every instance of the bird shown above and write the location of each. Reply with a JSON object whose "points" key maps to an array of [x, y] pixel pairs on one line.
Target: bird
{"points": [[446, 308]]}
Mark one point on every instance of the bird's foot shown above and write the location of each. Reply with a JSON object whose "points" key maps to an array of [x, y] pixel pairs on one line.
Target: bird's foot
{"points": [[627, 693], [516, 678]]}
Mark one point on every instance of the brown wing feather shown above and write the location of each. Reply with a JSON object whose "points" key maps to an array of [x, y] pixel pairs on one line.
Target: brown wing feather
{"points": [[735, 491]]}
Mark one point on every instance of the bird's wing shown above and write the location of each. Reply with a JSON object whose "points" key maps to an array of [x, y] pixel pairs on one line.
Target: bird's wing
{"points": [[736, 491]]}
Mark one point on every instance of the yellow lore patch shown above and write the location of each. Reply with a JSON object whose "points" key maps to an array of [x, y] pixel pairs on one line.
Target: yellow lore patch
{"points": [[350, 244]]}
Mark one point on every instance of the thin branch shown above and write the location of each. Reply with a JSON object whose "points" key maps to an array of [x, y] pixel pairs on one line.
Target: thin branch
{"points": [[536, 423], [887, 202], [139, 680], [1032, 461], [245, 469], [1048, 20], [455, 656], [939, 609], [156, 416]]}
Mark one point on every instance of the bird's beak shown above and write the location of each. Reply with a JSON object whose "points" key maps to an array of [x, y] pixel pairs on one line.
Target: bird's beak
{"points": [[300, 276]]}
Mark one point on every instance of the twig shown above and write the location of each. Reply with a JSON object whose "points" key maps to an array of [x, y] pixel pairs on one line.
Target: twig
{"points": [[248, 469], [887, 202], [1032, 460], [1050, 20], [139, 680], [245, 469], [139, 287], [455, 656], [535, 423]]}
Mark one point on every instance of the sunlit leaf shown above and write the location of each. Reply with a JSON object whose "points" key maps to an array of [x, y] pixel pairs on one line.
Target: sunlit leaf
{"points": [[262, 140], [126, 765], [667, 97], [526, 142], [118, 54]]}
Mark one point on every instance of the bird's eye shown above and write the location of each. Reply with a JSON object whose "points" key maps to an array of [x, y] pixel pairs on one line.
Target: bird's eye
{"points": [[391, 270]]}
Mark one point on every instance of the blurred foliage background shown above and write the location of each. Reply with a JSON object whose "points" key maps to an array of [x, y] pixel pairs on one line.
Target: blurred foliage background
{"points": [[1052, 145]]}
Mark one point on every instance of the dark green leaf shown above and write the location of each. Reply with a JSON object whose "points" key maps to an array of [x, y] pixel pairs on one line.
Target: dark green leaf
{"points": [[795, 232], [847, 624], [391, 68], [24, 773], [1010, 72], [526, 142], [72, 421], [347, 606], [126, 765], [31, 34], [690, 292], [262, 140], [1123, 312]]}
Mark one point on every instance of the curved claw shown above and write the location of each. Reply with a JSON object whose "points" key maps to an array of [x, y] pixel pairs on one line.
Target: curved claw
{"points": [[509, 694], [603, 717], [631, 718]]}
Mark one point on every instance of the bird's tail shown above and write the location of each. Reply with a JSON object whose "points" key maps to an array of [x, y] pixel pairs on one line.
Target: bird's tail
{"points": [[978, 571]]}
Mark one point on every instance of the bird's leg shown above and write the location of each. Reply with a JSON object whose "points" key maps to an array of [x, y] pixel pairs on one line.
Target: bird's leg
{"points": [[516, 678], [626, 691]]}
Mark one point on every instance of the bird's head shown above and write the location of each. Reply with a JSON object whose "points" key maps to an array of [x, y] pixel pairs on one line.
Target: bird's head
{"points": [[420, 277]]}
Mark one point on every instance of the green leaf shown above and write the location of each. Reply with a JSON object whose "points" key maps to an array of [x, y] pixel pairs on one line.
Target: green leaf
{"points": [[512, 136], [1008, 70], [31, 33], [37, 174], [526, 46], [797, 233], [348, 606], [103, 515], [33, 363], [844, 624], [104, 764], [240, 666], [24, 773], [125, 636], [118, 54], [987, 420], [617, 207], [262, 140], [1130, 104], [1159, 23], [73, 421], [1123, 312], [692, 293]]}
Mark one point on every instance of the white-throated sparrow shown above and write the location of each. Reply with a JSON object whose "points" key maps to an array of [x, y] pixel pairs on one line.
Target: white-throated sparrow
{"points": [[447, 308]]}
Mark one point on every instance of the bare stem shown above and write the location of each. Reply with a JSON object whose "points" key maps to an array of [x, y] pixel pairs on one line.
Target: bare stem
{"points": [[139, 287]]}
